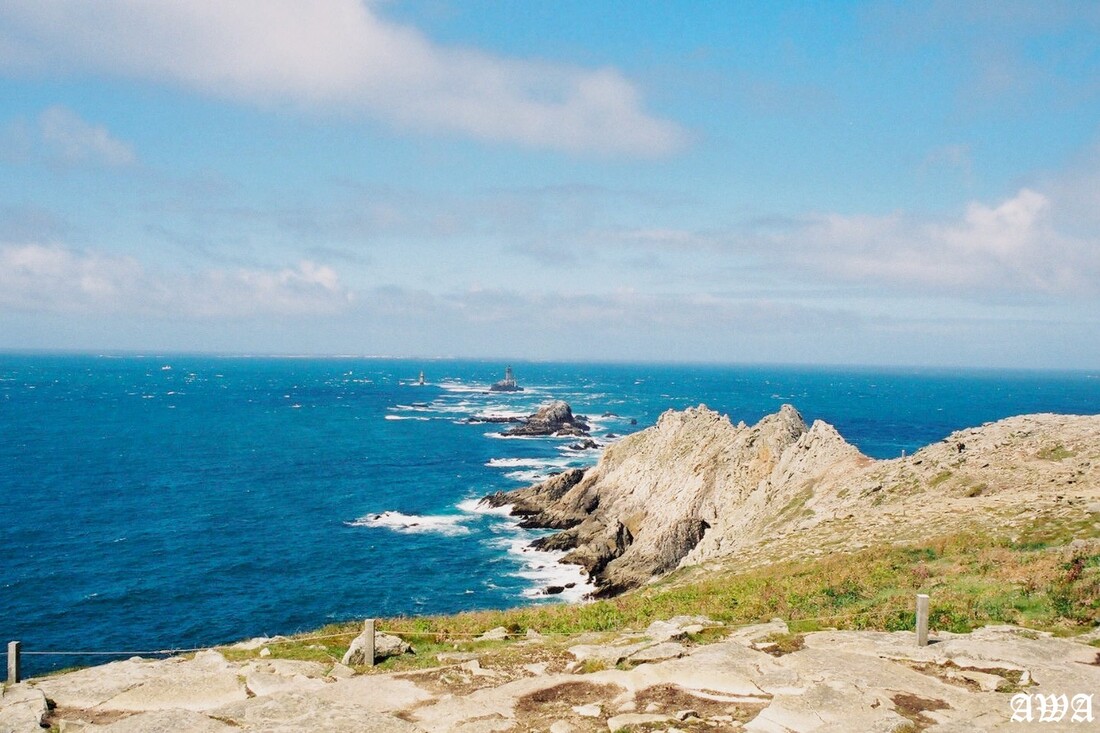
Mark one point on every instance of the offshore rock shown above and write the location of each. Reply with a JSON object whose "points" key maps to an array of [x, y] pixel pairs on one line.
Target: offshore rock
{"points": [[586, 444], [555, 418]]}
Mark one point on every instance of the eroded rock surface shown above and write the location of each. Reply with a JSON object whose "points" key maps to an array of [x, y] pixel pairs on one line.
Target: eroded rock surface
{"points": [[836, 681], [695, 487]]}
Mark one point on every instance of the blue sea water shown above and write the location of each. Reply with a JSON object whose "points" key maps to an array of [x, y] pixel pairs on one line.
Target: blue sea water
{"points": [[182, 501]]}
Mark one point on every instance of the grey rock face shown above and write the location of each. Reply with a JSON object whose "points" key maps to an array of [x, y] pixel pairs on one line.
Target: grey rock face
{"points": [[695, 487], [655, 496], [556, 418]]}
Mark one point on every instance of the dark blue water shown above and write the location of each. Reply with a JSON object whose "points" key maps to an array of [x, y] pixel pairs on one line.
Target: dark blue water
{"points": [[150, 503]]}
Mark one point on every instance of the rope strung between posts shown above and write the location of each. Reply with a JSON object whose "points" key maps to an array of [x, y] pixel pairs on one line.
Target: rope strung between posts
{"points": [[395, 632]]}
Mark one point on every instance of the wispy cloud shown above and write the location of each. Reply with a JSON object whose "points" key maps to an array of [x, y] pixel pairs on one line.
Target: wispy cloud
{"points": [[63, 138], [71, 140], [1030, 244], [1013, 56], [339, 56], [55, 279]]}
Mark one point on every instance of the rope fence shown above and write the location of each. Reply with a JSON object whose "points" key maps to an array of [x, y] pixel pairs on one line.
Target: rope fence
{"points": [[15, 651]]}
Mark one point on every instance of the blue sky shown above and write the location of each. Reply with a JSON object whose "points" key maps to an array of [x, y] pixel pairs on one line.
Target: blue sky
{"points": [[837, 183]]}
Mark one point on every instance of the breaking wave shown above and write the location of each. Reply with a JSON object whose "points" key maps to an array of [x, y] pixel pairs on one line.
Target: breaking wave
{"points": [[448, 524]]}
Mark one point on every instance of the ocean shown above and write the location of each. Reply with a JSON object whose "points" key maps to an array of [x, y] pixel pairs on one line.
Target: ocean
{"points": [[178, 501]]}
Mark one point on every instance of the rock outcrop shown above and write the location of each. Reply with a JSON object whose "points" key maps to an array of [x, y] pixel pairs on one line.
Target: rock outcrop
{"points": [[831, 681], [695, 487], [555, 418]]}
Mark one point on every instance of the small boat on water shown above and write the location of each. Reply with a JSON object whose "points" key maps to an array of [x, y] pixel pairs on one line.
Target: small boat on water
{"points": [[420, 382]]}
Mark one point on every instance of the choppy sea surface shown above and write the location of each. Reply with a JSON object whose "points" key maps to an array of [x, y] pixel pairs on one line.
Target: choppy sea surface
{"points": [[180, 501]]}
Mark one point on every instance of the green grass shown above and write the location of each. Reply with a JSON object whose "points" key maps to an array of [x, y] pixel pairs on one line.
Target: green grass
{"points": [[1055, 453], [939, 478], [974, 579], [976, 490]]}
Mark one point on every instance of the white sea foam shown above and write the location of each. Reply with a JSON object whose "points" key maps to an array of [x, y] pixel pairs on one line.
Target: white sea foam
{"points": [[453, 386], [528, 462], [448, 524], [495, 414], [528, 477], [502, 436], [543, 569], [406, 417], [473, 505]]}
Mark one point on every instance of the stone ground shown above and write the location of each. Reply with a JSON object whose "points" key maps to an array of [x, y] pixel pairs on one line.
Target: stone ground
{"points": [[655, 680]]}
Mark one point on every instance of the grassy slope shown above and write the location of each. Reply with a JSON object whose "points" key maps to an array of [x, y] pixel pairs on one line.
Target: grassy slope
{"points": [[1034, 578]]}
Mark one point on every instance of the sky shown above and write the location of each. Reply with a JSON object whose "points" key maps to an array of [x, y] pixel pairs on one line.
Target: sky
{"points": [[625, 180]]}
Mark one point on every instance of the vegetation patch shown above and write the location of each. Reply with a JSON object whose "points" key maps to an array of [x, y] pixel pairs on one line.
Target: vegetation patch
{"points": [[976, 490], [669, 699], [1030, 578], [913, 707], [939, 478], [778, 644], [566, 695], [1055, 453]]}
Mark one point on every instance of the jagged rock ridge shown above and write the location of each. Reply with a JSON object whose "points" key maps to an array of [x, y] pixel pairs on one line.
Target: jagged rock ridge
{"points": [[695, 487], [555, 418]]}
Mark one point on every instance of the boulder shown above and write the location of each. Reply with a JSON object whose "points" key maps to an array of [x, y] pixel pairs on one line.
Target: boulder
{"points": [[586, 444], [385, 645]]}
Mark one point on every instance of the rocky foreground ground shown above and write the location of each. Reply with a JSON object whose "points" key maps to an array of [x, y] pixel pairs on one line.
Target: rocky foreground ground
{"points": [[756, 678]]}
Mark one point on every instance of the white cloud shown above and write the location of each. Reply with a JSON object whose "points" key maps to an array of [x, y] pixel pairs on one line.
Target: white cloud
{"points": [[336, 56], [55, 279], [1010, 247]]}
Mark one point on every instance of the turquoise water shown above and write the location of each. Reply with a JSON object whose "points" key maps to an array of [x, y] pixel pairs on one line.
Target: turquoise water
{"points": [[180, 501]]}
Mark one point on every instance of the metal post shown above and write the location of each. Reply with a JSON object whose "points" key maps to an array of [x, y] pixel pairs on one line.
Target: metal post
{"points": [[368, 632], [922, 619], [14, 648]]}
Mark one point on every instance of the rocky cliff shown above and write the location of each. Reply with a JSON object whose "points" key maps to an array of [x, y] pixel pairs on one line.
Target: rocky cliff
{"points": [[695, 487]]}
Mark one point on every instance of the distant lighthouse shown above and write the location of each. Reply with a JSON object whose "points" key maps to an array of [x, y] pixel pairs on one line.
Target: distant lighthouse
{"points": [[420, 382], [508, 384]]}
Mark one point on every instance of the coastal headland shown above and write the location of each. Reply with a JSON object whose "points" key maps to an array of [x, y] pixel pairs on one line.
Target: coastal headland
{"points": [[756, 578]]}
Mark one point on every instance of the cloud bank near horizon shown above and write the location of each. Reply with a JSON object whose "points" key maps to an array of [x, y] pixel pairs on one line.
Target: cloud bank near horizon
{"points": [[55, 279]]}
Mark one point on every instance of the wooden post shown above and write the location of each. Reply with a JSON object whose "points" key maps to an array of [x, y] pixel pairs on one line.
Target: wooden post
{"points": [[922, 619], [368, 632], [14, 648]]}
